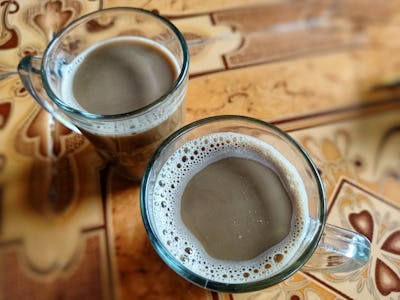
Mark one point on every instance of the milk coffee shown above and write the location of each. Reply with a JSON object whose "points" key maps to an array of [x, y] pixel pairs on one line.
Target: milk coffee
{"points": [[119, 76], [165, 207]]}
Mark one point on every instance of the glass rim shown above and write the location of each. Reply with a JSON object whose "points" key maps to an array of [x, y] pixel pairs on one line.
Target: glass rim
{"points": [[183, 271], [156, 102]]}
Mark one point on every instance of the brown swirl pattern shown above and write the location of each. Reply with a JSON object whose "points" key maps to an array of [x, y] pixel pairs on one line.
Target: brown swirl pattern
{"points": [[8, 34], [50, 17], [5, 109], [387, 280]]}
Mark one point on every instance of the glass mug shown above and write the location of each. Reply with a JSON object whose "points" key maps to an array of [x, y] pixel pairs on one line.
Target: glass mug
{"points": [[127, 139], [311, 246]]}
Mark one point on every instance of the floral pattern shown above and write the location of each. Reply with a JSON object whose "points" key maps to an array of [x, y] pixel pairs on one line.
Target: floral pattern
{"points": [[362, 211], [69, 228], [298, 287], [333, 158], [51, 161], [8, 34], [50, 17]]}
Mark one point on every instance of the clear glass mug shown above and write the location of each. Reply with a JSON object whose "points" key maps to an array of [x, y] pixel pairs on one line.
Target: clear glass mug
{"points": [[324, 247], [128, 139]]}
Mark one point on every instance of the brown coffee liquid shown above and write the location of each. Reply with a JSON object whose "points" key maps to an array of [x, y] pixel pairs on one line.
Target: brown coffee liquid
{"points": [[229, 207], [122, 76], [237, 208]]}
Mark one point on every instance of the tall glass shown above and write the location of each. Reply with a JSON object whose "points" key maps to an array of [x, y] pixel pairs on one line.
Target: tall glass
{"points": [[126, 139]]}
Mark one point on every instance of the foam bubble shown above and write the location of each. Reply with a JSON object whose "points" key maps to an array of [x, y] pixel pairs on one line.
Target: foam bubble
{"points": [[183, 164]]}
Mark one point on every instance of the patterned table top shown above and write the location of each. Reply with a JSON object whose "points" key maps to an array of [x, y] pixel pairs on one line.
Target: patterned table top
{"points": [[324, 71]]}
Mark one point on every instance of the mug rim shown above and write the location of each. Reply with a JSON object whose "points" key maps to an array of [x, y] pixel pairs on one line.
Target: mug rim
{"points": [[199, 280], [156, 102]]}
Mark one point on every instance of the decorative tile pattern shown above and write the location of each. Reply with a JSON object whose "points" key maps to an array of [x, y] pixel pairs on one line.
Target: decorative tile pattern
{"points": [[363, 149], [360, 210], [298, 287], [59, 283], [71, 229]]}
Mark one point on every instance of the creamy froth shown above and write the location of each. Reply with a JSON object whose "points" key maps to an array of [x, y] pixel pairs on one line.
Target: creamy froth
{"points": [[165, 203]]}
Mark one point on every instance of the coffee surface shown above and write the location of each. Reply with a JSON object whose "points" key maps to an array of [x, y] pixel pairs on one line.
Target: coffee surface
{"points": [[117, 76], [200, 231], [237, 208], [120, 76]]}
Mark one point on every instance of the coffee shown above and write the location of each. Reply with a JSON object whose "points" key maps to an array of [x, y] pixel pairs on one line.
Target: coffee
{"points": [[241, 213], [118, 76], [230, 207]]}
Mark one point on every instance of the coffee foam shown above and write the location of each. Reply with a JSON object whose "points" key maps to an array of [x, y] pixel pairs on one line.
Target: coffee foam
{"points": [[134, 125], [164, 205]]}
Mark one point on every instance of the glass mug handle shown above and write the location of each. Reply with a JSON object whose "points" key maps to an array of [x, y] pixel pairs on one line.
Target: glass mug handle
{"points": [[339, 250], [30, 74]]}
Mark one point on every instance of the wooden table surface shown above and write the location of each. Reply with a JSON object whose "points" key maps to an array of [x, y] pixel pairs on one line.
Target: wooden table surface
{"points": [[327, 72]]}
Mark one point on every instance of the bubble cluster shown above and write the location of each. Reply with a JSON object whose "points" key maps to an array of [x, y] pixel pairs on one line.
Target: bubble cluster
{"points": [[165, 204]]}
